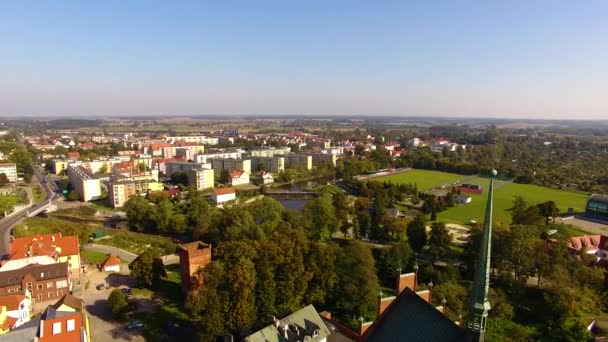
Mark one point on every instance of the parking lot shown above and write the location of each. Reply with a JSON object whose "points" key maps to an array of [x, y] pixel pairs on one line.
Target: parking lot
{"points": [[100, 316]]}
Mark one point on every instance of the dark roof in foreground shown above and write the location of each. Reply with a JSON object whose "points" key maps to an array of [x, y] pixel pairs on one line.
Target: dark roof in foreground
{"points": [[307, 321], [410, 318]]}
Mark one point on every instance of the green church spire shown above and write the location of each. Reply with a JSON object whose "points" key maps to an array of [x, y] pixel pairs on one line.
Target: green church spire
{"points": [[479, 305]]}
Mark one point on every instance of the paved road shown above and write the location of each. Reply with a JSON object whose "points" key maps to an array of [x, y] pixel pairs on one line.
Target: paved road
{"points": [[126, 255], [7, 224]]}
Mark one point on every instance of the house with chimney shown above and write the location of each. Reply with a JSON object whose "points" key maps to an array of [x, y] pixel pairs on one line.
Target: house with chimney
{"points": [[302, 325], [44, 249]]}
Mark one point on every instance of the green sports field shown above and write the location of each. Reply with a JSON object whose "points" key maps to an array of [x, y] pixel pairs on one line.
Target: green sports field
{"points": [[424, 178], [504, 193]]}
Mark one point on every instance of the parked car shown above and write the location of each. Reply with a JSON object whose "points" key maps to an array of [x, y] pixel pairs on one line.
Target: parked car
{"points": [[135, 325], [100, 287]]}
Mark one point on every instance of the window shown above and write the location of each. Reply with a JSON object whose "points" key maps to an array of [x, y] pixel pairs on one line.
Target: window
{"points": [[61, 284], [39, 286], [29, 286], [71, 324], [56, 328], [49, 284], [51, 294], [39, 297]]}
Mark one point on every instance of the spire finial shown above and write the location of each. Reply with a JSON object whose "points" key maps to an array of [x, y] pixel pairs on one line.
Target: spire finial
{"points": [[478, 303]]}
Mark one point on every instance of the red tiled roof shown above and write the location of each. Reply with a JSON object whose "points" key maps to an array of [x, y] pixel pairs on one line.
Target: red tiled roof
{"points": [[159, 146], [43, 245], [11, 302], [591, 243], [111, 261], [46, 331], [223, 191], [74, 154], [236, 173], [8, 323]]}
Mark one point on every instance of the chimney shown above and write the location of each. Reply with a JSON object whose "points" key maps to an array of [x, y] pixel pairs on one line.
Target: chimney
{"points": [[363, 326], [383, 304], [406, 280]]}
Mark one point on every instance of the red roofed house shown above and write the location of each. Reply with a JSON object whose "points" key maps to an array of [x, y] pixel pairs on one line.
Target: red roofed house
{"points": [[73, 155], [88, 145], [60, 326], [602, 252], [111, 264], [588, 243], [238, 177], [14, 311], [222, 196], [44, 249]]}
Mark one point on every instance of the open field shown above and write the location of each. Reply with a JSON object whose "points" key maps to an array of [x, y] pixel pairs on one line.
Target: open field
{"points": [[504, 193], [423, 178]]}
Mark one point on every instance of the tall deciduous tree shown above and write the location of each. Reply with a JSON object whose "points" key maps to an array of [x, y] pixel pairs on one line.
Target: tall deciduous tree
{"points": [[357, 291], [416, 233], [439, 240], [139, 213], [320, 216], [148, 268]]}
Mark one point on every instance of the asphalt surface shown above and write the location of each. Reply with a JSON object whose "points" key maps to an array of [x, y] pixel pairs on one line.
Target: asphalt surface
{"points": [[7, 224]]}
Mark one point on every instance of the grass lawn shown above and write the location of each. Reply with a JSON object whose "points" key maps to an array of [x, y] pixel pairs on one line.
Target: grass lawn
{"points": [[93, 256], [504, 193], [425, 179], [127, 240], [38, 194]]}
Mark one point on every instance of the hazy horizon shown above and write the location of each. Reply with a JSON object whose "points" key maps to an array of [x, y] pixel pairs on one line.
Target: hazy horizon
{"points": [[521, 60]]}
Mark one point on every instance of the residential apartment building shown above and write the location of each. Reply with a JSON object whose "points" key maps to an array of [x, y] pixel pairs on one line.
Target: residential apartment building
{"points": [[297, 161], [10, 170], [171, 167], [269, 152], [85, 183], [172, 151], [200, 139], [230, 164], [120, 190], [323, 159], [44, 282], [272, 164], [44, 249], [201, 179], [206, 157]]}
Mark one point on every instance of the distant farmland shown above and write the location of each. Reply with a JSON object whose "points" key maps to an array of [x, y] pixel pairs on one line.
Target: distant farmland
{"points": [[504, 193]]}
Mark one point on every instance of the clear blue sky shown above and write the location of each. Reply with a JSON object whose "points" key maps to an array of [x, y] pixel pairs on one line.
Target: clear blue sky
{"points": [[449, 58]]}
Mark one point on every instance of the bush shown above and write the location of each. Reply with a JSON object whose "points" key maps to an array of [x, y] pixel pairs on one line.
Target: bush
{"points": [[118, 303]]}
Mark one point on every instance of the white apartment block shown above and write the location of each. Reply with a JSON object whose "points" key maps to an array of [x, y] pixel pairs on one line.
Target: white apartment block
{"points": [[201, 179], [230, 164], [269, 152], [83, 181], [205, 157], [199, 139], [10, 170]]}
